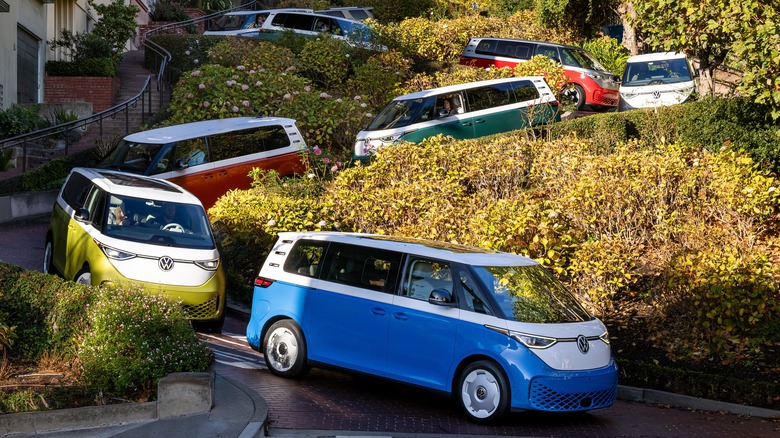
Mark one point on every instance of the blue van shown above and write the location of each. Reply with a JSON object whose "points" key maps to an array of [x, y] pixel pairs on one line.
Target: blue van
{"points": [[495, 330]]}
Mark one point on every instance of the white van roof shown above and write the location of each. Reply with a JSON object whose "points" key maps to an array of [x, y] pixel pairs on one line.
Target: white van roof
{"points": [[420, 247], [269, 10], [657, 56], [131, 184], [186, 131], [467, 85]]}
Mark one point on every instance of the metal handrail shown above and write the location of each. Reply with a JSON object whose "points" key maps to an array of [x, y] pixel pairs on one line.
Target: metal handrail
{"points": [[64, 128], [163, 80]]}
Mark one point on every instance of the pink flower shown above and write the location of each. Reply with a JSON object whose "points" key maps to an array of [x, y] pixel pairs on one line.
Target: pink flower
{"points": [[245, 87], [287, 96], [189, 96], [229, 83], [307, 88], [324, 95], [206, 104], [369, 115], [240, 67], [317, 150], [195, 73], [258, 83], [339, 100], [202, 86], [235, 109], [334, 168], [326, 160], [363, 105], [357, 98], [245, 103]]}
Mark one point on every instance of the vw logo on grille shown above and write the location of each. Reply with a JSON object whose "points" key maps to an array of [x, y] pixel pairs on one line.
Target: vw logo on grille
{"points": [[582, 344], [656, 95], [165, 263]]}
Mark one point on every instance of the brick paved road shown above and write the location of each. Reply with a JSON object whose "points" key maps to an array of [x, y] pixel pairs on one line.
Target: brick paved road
{"points": [[329, 400]]}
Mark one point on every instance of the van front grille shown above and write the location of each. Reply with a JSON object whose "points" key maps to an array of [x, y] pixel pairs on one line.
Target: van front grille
{"points": [[205, 310], [547, 399]]}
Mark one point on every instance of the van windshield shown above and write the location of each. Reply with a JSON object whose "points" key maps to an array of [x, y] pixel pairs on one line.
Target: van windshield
{"points": [[664, 71], [400, 113], [531, 294], [131, 157], [158, 223], [580, 58]]}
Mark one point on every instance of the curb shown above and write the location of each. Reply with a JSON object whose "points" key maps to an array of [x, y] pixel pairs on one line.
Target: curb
{"points": [[652, 396]]}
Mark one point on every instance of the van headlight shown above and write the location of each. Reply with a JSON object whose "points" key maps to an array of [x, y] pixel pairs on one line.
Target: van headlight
{"points": [[533, 341], [115, 254], [391, 138], [209, 265], [605, 337], [530, 341]]}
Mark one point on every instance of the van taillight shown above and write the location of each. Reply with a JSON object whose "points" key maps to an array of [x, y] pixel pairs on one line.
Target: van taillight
{"points": [[263, 282]]}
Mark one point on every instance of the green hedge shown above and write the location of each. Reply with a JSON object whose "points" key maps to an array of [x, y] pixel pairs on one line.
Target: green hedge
{"points": [[83, 67], [51, 175], [711, 123]]}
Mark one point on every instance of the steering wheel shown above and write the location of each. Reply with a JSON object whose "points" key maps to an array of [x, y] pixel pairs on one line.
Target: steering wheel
{"points": [[173, 226], [656, 82]]}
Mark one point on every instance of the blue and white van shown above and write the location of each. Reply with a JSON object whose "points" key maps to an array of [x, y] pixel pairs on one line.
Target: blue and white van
{"points": [[495, 330], [656, 79], [475, 109]]}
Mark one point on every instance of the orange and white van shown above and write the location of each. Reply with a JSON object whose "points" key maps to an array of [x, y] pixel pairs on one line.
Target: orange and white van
{"points": [[210, 157]]}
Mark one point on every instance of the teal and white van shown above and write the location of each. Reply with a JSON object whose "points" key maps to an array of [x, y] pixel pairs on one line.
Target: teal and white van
{"points": [[462, 111], [656, 79]]}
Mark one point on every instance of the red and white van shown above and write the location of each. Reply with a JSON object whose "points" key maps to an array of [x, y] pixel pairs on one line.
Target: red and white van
{"points": [[592, 84]]}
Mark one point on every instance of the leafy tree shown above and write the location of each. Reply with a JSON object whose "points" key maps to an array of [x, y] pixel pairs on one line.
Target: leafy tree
{"points": [[107, 39], [699, 28], [758, 49], [584, 18]]}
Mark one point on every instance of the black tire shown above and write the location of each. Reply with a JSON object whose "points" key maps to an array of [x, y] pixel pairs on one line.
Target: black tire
{"points": [[285, 349], [84, 276], [48, 256], [577, 96], [482, 392], [210, 326]]}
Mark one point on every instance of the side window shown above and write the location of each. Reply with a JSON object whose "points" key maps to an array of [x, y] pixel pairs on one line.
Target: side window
{"points": [[490, 96], [423, 276], [363, 267], [191, 152], [473, 297], [359, 14], [305, 258], [279, 20], [249, 141], [506, 48], [426, 110], [523, 51], [165, 163], [93, 204], [449, 105], [75, 191], [299, 22], [549, 51], [525, 91], [486, 47], [323, 25]]}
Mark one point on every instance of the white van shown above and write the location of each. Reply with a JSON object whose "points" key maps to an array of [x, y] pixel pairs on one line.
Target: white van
{"points": [[240, 22], [656, 79]]}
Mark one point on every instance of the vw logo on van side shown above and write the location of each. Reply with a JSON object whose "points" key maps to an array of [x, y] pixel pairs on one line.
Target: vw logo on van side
{"points": [[166, 264], [582, 344], [656, 95]]}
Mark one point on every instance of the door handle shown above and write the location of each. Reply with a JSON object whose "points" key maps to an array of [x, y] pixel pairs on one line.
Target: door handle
{"points": [[479, 121], [223, 173], [378, 311], [466, 123], [400, 315], [208, 176]]}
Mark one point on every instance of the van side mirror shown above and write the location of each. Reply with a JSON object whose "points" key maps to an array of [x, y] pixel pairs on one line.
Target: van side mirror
{"points": [[82, 215], [441, 297]]}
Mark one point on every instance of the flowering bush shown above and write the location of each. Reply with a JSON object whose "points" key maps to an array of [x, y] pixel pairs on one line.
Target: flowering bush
{"points": [[135, 338], [543, 66]]}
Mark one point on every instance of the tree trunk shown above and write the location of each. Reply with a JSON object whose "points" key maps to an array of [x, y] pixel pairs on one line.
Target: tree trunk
{"points": [[627, 14]]}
